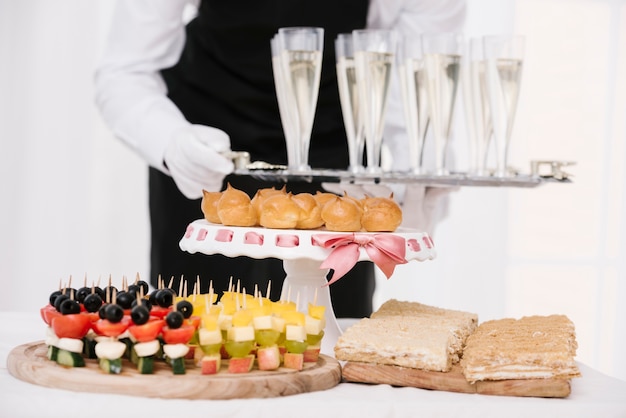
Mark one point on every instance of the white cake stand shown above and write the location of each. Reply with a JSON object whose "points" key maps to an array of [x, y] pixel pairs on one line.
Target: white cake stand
{"points": [[302, 259]]}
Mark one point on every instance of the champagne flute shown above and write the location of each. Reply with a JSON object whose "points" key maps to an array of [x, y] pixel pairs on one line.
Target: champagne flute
{"points": [[477, 113], [414, 97], [442, 58], [301, 58], [374, 52], [289, 128], [503, 69], [349, 99]]}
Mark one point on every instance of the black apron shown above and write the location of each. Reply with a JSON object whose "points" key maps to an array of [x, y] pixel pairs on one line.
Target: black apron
{"points": [[224, 79]]}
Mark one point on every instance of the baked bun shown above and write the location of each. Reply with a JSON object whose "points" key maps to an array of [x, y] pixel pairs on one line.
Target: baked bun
{"points": [[342, 214], [209, 206], [262, 194], [381, 214], [235, 208], [310, 211], [279, 211], [323, 197]]}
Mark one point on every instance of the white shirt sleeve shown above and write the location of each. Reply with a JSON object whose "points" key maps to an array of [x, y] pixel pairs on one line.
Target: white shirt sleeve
{"points": [[145, 37], [410, 18]]}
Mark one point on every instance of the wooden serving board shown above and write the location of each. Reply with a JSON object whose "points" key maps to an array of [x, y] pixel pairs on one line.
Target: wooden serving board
{"points": [[453, 381], [29, 363]]}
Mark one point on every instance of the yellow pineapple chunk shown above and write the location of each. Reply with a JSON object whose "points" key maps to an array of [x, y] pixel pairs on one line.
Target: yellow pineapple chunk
{"points": [[210, 321], [242, 318], [283, 306], [293, 317], [317, 311]]}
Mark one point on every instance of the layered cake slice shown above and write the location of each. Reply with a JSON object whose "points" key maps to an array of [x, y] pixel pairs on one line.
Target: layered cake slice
{"points": [[408, 334], [531, 347]]}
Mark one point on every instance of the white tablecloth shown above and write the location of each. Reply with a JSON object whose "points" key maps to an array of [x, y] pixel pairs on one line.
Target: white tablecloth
{"points": [[593, 395]]}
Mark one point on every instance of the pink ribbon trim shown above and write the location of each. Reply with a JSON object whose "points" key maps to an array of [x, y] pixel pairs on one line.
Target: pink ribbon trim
{"points": [[386, 251]]}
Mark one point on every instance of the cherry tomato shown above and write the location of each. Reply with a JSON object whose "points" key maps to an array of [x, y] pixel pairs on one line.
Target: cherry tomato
{"points": [[71, 326], [48, 312], [180, 335], [107, 328], [93, 316], [148, 331], [159, 311]]}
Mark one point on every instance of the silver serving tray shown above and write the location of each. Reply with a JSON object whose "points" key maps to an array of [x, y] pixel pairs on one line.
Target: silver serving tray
{"points": [[541, 172]]}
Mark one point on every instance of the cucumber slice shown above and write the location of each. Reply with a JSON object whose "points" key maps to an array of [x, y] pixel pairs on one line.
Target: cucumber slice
{"points": [[69, 359], [133, 357], [53, 352], [145, 365], [111, 366], [178, 365]]}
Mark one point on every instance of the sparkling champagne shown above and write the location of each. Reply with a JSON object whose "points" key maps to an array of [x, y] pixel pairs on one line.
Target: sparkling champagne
{"points": [[480, 114], [286, 117], [504, 78], [302, 70], [414, 96], [373, 73], [349, 98], [442, 79]]}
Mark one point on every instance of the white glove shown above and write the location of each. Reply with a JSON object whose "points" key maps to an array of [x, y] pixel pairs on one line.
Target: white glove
{"points": [[194, 161], [423, 207]]}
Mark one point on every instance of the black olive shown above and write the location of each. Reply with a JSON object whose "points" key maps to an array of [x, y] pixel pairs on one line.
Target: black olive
{"points": [[185, 307], [108, 293], [114, 312], [164, 298], [102, 312], [99, 292], [69, 291], [174, 319], [53, 296], [133, 289], [69, 306], [145, 288], [145, 302], [140, 314], [59, 300], [92, 302], [125, 299], [82, 293], [152, 297]]}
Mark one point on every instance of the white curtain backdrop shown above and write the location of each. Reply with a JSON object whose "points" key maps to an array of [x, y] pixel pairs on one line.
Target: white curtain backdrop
{"points": [[74, 199]]}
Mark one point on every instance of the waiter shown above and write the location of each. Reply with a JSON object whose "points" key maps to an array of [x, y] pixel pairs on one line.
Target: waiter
{"points": [[180, 93]]}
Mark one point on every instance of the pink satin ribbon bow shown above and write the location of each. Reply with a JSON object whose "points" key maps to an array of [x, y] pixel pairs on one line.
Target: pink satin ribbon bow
{"points": [[386, 251]]}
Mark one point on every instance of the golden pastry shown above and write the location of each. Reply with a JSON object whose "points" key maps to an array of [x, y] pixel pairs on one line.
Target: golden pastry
{"points": [[209, 206], [342, 214], [235, 208], [380, 214]]}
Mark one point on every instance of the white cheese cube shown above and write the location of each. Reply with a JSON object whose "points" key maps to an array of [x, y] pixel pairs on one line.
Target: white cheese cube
{"points": [[147, 349], [70, 344], [295, 333], [313, 325], [110, 350], [262, 322], [175, 350], [241, 333], [206, 337], [278, 324], [51, 338]]}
